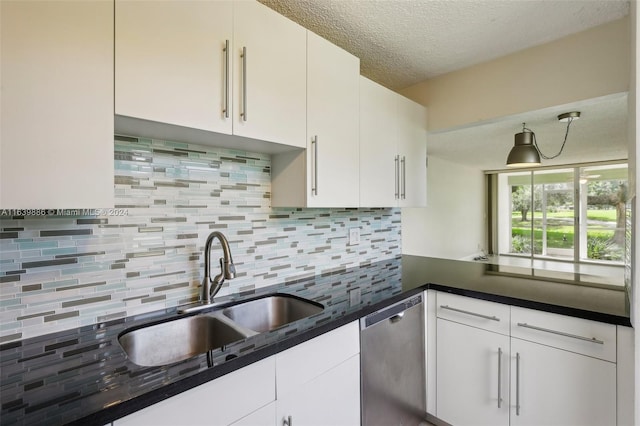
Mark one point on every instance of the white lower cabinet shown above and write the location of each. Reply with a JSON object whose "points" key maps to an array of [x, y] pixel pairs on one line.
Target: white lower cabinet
{"points": [[563, 370], [264, 416], [318, 382], [472, 375], [333, 398], [219, 402], [545, 369], [551, 386], [472, 361]]}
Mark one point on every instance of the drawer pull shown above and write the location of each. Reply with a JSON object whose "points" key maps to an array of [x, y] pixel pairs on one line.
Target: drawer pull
{"points": [[560, 333], [499, 377], [517, 384], [470, 313]]}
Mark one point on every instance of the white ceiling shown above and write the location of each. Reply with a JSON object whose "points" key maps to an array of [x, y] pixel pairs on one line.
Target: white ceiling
{"points": [[599, 135], [403, 42]]}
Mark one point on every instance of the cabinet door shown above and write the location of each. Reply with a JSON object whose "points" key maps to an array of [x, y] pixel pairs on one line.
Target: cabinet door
{"points": [[171, 63], [265, 416], [472, 375], [412, 148], [379, 185], [219, 402], [332, 126], [269, 59], [57, 104], [333, 398], [552, 386], [300, 364]]}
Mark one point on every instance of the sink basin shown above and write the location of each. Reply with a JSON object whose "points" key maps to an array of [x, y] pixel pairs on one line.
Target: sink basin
{"points": [[271, 312], [176, 340]]}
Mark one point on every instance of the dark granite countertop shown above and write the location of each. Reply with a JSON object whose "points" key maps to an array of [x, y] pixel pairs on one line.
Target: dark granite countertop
{"points": [[82, 376], [562, 293]]}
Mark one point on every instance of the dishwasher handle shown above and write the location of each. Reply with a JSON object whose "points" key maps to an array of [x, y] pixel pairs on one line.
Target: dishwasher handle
{"points": [[394, 319], [393, 313]]}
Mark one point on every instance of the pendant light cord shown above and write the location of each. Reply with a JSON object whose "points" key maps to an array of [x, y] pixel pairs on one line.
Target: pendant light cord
{"points": [[566, 135]]}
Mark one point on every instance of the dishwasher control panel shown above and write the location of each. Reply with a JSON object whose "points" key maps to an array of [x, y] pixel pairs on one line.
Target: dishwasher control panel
{"points": [[390, 311]]}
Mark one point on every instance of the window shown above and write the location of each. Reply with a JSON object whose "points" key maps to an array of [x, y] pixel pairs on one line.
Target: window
{"points": [[572, 214]]}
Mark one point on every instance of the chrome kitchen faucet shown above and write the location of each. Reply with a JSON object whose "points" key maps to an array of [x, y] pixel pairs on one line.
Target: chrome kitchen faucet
{"points": [[228, 271]]}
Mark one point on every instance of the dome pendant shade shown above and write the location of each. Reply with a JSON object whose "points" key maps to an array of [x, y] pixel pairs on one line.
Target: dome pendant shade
{"points": [[524, 153]]}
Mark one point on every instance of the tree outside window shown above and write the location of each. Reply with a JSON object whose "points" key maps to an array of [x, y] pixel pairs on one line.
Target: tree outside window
{"points": [[576, 214]]}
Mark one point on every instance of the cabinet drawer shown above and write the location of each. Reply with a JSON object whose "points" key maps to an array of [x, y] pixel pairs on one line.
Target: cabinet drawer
{"points": [[489, 316], [300, 364], [577, 335], [218, 402]]}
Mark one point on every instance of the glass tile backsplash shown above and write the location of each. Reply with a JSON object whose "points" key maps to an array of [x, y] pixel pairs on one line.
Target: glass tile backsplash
{"points": [[78, 267]]}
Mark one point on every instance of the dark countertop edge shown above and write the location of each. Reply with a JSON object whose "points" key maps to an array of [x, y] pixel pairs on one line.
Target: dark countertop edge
{"points": [[539, 306], [124, 408]]}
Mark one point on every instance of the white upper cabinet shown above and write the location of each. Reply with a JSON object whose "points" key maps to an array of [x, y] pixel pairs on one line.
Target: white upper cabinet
{"points": [[269, 61], [326, 174], [233, 68], [393, 149], [379, 163], [57, 104], [412, 149], [332, 124], [172, 65]]}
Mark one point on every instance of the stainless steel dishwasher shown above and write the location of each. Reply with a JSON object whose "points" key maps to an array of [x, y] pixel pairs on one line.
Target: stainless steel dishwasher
{"points": [[393, 365]]}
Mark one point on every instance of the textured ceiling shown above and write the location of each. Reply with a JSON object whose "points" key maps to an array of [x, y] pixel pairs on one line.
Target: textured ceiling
{"points": [[403, 42]]}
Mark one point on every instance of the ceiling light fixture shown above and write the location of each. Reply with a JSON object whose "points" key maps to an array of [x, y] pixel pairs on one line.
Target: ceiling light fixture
{"points": [[526, 153]]}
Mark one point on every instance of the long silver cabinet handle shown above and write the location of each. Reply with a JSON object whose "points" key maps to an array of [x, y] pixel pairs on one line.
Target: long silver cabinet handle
{"points": [[404, 177], [314, 183], [560, 333], [492, 318], [396, 160], [226, 79], [243, 114], [517, 384], [499, 377]]}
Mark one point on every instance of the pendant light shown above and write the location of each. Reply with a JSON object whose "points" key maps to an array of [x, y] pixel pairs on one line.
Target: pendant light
{"points": [[526, 153]]}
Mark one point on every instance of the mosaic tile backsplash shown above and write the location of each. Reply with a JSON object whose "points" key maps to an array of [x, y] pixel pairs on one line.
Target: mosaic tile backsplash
{"points": [[76, 267]]}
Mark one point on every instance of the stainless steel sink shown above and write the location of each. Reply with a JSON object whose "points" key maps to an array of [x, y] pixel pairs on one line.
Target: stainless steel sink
{"points": [[187, 336], [271, 312], [176, 340]]}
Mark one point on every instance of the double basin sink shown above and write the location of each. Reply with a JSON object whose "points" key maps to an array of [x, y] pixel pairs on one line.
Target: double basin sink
{"points": [[191, 335]]}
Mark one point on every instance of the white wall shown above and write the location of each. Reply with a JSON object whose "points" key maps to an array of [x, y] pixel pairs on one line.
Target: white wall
{"points": [[453, 224], [581, 66]]}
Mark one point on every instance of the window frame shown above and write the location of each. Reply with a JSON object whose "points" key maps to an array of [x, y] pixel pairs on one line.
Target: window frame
{"points": [[493, 212]]}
